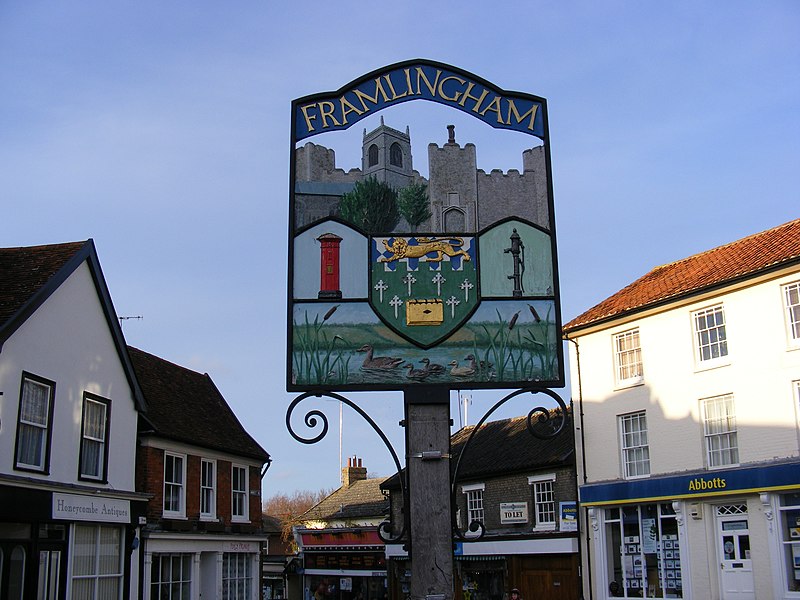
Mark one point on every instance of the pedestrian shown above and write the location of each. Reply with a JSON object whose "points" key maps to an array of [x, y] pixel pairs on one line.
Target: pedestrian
{"points": [[515, 595]]}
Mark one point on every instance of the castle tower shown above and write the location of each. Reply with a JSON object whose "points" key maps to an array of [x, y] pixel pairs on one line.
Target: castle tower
{"points": [[386, 155], [453, 188]]}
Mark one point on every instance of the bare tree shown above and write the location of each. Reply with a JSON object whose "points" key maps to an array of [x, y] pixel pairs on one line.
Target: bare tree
{"points": [[288, 507]]}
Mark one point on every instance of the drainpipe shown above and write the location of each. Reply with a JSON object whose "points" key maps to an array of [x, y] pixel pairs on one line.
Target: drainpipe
{"points": [[583, 469]]}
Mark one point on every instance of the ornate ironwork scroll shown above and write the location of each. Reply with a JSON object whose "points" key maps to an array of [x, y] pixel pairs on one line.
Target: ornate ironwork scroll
{"points": [[311, 421], [542, 423]]}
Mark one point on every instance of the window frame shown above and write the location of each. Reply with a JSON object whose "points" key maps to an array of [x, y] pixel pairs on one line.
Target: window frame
{"points": [[791, 313], [47, 436], [243, 493], [620, 365], [212, 513], [98, 566], [237, 575], [721, 341], [731, 434], [473, 494], [625, 449], [539, 507], [181, 512], [103, 474], [158, 584]]}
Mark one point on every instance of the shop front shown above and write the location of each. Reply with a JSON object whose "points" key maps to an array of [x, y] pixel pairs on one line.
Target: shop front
{"points": [[733, 533], [343, 564], [546, 567], [55, 545]]}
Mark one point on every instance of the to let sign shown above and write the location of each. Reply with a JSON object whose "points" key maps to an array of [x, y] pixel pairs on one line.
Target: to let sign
{"points": [[513, 512]]}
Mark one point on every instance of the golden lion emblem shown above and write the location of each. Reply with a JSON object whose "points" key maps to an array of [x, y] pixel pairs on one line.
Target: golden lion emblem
{"points": [[401, 249]]}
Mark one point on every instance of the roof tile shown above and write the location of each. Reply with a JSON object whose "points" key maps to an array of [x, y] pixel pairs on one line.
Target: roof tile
{"points": [[743, 258]]}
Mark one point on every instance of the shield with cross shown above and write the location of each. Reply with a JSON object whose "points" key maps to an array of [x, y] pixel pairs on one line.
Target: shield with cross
{"points": [[424, 287]]}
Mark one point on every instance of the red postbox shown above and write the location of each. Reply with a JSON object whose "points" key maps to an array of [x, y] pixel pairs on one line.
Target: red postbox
{"points": [[329, 266]]}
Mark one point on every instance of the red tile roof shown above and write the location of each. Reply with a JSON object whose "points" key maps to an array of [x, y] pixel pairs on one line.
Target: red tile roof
{"points": [[726, 264]]}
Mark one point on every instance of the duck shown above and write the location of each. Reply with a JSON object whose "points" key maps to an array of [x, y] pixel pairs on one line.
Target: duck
{"points": [[378, 362], [432, 368], [415, 373], [460, 371], [470, 358]]}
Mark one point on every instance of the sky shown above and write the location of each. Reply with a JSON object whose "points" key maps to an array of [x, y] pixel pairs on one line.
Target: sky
{"points": [[161, 131]]}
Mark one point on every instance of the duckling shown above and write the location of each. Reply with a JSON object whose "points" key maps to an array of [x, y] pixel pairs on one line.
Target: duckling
{"points": [[415, 373], [378, 362], [460, 371], [432, 368], [475, 365]]}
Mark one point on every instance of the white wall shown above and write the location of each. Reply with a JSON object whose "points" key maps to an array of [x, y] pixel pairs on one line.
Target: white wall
{"points": [[67, 341], [759, 373]]}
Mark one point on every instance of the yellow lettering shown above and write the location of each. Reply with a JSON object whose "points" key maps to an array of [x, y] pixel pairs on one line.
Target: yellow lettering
{"points": [[308, 117], [431, 88], [493, 106], [391, 87], [347, 108], [513, 108], [722, 483], [408, 80], [478, 100], [374, 99], [441, 88], [326, 112], [691, 486]]}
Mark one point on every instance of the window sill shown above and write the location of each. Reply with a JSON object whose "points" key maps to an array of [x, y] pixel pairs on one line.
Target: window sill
{"points": [[240, 520], [635, 477], [710, 365], [173, 516], [628, 383], [209, 519]]}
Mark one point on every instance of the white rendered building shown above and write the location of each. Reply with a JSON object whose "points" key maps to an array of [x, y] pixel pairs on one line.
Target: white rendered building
{"points": [[688, 383]]}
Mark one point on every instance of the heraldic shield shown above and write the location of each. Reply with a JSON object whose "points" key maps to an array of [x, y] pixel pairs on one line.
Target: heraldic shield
{"points": [[424, 287]]}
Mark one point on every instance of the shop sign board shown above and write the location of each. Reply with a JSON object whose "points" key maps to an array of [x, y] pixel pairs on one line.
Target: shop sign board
{"points": [[422, 244], [74, 507]]}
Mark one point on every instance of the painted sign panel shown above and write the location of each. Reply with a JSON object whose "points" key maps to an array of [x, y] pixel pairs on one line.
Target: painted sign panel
{"points": [[410, 263], [568, 520]]}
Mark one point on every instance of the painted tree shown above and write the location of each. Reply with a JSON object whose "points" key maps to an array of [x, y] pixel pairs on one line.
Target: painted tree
{"points": [[413, 203], [371, 206]]}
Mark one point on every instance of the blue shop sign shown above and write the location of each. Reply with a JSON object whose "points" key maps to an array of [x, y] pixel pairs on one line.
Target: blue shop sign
{"points": [[716, 483]]}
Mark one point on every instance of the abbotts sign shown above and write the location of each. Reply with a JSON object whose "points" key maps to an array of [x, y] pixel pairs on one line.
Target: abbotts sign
{"points": [[432, 271]]}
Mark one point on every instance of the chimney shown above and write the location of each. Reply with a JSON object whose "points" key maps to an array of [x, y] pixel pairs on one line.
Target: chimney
{"points": [[353, 472]]}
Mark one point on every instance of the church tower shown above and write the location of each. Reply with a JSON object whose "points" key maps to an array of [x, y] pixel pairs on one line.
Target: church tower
{"points": [[386, 156]]}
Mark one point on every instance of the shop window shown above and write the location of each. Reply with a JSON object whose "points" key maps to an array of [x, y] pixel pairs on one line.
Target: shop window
{"points": [[236, 576], [49, 575], [174, 485], [239, 493], [634, 444], [208, 488], [171, 576], [97, 567], [34, 424], [628, 358], [641, 549], [789, 509], [719, 430], [94, 429], [16, 573], [711, 341], [791, 299]]}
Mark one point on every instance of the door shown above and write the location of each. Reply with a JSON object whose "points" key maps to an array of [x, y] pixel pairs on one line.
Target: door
{"points": [[13, 560], [733, 551]]}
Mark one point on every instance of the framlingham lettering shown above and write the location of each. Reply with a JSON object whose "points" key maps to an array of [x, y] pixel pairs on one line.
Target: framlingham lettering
{"points": [[419, 82]]}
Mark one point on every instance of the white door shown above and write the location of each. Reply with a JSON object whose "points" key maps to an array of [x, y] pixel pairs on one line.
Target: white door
{"points": [[733, 551]]}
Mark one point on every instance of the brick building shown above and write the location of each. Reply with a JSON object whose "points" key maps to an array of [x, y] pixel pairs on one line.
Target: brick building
{"points": [[523, 490], [202, 471]]}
